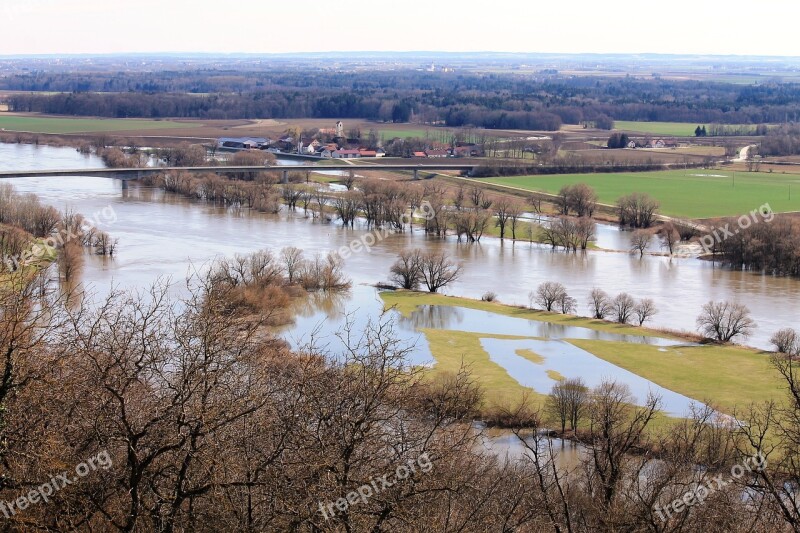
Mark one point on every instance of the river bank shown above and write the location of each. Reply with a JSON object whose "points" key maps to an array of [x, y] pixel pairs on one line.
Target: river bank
{"points": [[709, 373]]}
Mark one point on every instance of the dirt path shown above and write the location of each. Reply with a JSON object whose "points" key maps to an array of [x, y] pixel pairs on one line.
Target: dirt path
{"points": [[744, 153]]}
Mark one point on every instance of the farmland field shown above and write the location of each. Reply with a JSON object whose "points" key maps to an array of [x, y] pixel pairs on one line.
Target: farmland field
{"points": [[42, 124], [693, 193], [677, 129]]}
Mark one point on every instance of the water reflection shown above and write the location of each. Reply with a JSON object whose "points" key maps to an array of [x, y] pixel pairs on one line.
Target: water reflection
{"points": [[477, 321], [569, 361], [507, 446], [166, 235]]}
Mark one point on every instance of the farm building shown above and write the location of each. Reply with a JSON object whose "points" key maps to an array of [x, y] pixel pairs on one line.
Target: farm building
{"points": [[346, 154], [467, 150], [243, 143]]}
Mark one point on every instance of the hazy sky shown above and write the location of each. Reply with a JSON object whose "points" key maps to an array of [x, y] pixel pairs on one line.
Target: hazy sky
{"points": [[765, 27]]}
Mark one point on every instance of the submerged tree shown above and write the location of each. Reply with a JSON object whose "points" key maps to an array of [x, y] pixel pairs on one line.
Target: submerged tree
{"points": [[438, 270]]}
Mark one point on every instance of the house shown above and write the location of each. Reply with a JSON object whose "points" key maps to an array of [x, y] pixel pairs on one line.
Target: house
{"points": [[368, 153], [663, 143], [467, 150], [380, 152], [436, 153], [346, 154], [286, 144], [419, 154], [312, 147], [324, 152], [631, 144]]}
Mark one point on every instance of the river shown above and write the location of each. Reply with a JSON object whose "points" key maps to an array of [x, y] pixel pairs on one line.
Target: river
{"points": [[164, 235]]}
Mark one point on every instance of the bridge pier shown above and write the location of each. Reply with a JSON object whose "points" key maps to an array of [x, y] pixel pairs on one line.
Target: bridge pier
{"points": [[124, 185], [284, 176], [416, 174]]}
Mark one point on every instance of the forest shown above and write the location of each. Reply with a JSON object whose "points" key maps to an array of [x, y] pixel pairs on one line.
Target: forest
{"points": [[542, 101]]}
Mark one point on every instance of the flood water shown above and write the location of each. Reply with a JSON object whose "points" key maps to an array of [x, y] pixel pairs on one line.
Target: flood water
{"points": [[164, 235]]}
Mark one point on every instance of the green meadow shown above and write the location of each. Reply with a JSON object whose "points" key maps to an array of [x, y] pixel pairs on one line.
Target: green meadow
{"points": [[673, 129], [692, 193]]}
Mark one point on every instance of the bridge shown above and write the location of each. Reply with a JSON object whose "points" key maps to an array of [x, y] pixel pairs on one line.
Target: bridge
{"points": [[125, 174]]}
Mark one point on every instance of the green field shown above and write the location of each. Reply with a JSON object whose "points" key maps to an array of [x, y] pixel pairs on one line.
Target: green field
{"points": [[389, 133], [675, 129], [82, 125], [725, 377], [693, 193]]}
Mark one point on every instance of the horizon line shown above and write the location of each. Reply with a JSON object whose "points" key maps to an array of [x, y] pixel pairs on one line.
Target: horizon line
{"points": [[173, 53]]}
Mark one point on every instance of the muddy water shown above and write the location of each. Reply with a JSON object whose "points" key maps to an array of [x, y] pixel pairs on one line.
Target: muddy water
{"points": [[165, 235]]}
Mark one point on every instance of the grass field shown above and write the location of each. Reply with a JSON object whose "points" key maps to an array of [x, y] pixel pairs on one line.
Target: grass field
{"points": [[675, 129], [693, 193], [391, 133], [726, 377], [81, 125], [723, 375]]}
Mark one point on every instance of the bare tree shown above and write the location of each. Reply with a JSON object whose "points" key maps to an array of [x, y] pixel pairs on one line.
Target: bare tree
{"points": [[615, 429], [502, 213], [349, 180], [582, 200], [406, 272], [622, 307], [70, 259], [515, 211], [347, 206], [600, 304], [458, 198], [640, 240], [471, 224], [644, 310], [438, 270], [567, 402], [549, 294], [724, 321], [786, 341], [637, 210], [292, 261], [535, 201], [567, 304], [291, 195], [670, 236], [321, 200], [585, 231], [479, 199]]}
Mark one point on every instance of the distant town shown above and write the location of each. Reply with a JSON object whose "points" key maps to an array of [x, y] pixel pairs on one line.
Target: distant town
{"points": [[333, 143]]}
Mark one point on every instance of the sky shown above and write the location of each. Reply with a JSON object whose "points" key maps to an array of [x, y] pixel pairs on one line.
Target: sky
{"points": [[765, 27]]}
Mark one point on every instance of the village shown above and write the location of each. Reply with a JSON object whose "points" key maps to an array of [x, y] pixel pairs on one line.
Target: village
{"points": [[333, 143]]}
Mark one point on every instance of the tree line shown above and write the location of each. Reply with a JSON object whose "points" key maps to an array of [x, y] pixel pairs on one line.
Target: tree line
{"points": [[502, 101], [206, 422], [771, 248]]}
